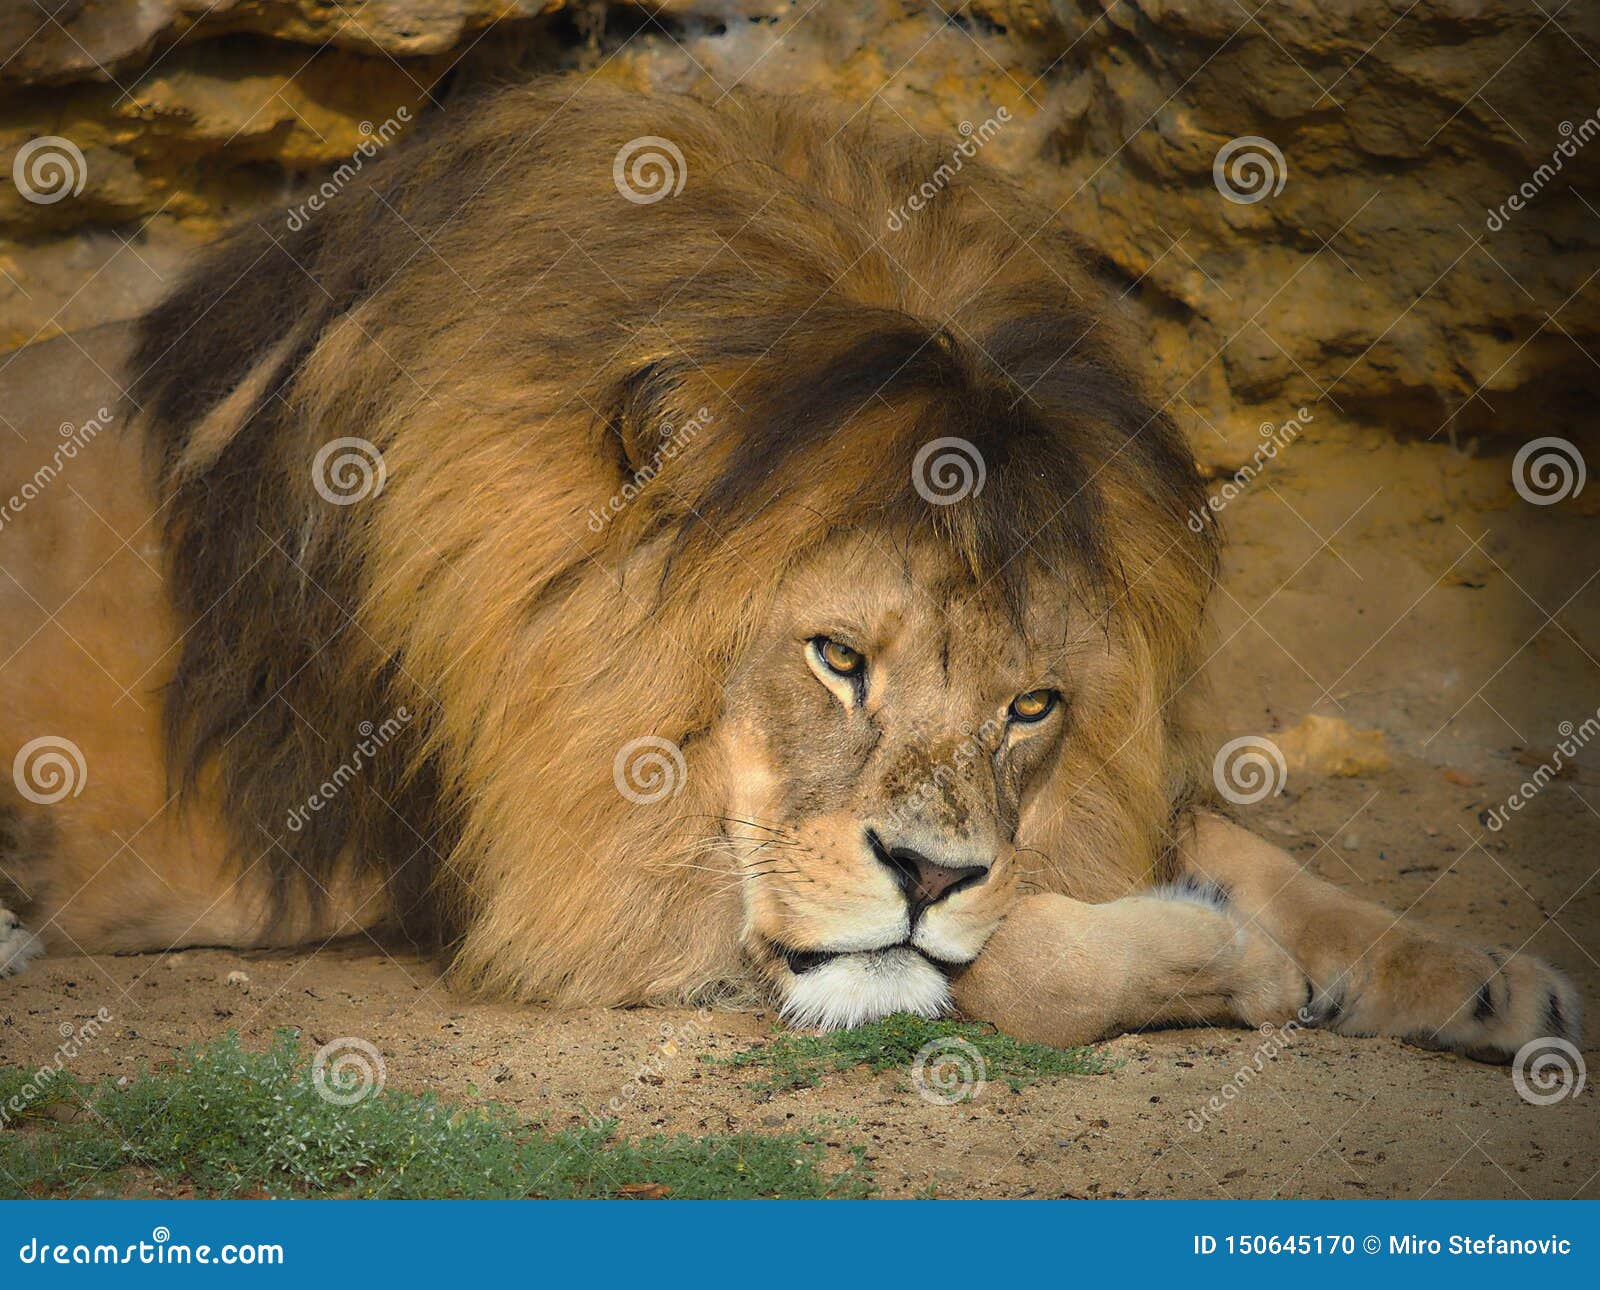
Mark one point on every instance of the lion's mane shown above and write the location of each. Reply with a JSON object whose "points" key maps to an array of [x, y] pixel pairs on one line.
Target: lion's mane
{"points": [[543, 578]]}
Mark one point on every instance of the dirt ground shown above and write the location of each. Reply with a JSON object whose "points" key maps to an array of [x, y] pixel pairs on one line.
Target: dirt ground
{"points": [[1401, 587]]}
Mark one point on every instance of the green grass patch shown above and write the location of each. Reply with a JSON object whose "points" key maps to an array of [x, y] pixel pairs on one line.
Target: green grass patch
{"points": [[222, 1121], [898, 1042]]}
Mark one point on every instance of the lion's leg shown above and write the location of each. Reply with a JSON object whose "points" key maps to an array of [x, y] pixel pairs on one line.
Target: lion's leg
{"points": [[94, 855], [102, 878], [1058, 971], [1375, 972]]}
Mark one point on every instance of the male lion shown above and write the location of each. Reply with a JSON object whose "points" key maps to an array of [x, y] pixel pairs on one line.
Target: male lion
{"points": [[642, 584]]}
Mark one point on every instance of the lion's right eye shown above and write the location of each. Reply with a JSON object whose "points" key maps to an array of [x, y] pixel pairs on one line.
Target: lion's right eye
{"points": [[1033, 706], [838, 658]]}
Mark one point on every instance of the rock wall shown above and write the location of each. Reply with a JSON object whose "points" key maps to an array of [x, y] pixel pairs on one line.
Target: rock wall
{"points": [[1352, 256], [1385, 212]]}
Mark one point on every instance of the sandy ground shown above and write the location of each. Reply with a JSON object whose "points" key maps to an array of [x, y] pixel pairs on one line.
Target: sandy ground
{"points": [[1404, 588]]}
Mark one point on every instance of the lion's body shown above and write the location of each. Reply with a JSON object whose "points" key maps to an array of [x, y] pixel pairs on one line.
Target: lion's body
{"points": [[514, 384], [608, 444]]}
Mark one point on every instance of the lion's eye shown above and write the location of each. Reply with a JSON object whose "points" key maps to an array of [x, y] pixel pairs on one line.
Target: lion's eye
{"points": [[1035, 705], [838, 659]]}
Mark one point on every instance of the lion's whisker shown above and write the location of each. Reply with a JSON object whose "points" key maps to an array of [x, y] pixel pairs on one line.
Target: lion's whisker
{"points": [[683, 864], [754, 824]]}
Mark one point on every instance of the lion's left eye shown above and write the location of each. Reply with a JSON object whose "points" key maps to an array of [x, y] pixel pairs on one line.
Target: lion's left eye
{"points": [[838, 658], [1035, 705]]}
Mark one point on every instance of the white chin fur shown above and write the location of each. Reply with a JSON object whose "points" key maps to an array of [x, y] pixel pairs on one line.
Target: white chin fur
{"points": [[855, 988]]}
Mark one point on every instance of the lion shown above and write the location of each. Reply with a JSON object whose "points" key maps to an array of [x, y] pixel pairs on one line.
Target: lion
{"points": [[600, 546]]}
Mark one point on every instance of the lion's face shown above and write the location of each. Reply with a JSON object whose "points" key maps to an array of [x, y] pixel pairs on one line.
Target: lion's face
{"points": [[883, 737]]}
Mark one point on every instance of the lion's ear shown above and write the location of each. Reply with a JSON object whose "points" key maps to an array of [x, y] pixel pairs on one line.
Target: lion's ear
{"points": [[639, 410]]}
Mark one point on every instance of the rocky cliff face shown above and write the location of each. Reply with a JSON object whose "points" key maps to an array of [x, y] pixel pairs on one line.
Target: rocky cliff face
{"points": [[1315, 193], [1385, 212]]}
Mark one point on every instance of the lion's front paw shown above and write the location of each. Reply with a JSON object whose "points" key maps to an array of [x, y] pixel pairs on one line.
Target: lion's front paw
{"points": [[1271, 987], [1258, 978], [1481, 1003]]}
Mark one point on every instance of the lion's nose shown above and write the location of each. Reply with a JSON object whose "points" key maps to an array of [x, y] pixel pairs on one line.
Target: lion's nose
{"points": [[924, 880]]}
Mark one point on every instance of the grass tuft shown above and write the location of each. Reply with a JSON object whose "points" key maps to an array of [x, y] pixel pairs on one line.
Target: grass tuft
{"points": [[222, 1121], [895, 1042]]}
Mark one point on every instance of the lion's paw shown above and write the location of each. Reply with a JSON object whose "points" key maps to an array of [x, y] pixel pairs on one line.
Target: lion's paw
{"points": [[17, 944], [1481, 1003], [1272, 988], [1526, 999], [1263, 982]]}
